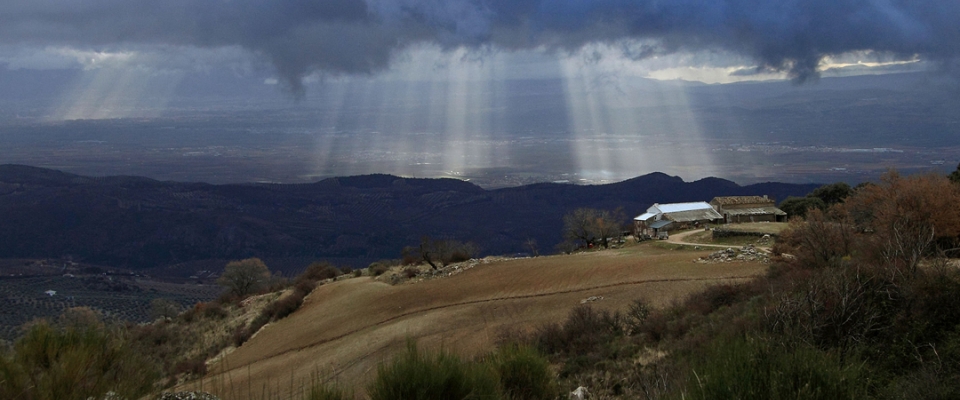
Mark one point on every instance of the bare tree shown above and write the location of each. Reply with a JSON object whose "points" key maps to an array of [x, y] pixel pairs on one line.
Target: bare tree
{"points": [[244, 277], [429, 251], [592, 226], [442, 252], [531, 244], [819, 241], [578, 225]]}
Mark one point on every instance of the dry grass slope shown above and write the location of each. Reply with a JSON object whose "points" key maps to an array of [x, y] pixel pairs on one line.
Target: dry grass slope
{"points": [[346, 328]]}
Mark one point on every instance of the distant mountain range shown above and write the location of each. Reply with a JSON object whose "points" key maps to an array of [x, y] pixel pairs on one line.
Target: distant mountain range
{"points": [[176, 227]]}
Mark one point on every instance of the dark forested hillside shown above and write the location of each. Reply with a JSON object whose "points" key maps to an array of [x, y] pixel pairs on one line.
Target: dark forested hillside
{"points": [[142, 223]]}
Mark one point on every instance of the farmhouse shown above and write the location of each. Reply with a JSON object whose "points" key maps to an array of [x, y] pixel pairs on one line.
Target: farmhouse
{"points": [[660, 217], [739, 209]]}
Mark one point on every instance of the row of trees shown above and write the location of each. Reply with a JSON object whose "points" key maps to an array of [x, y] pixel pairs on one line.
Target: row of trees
{"points": [[897, 222], [439, 252], [593, 227]]}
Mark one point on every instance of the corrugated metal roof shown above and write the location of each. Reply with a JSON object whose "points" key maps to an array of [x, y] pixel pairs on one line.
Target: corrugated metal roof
{"points": [[680, 207], [693, 215], [660, 224], [645, 216], [730, 200], [755, 211]]}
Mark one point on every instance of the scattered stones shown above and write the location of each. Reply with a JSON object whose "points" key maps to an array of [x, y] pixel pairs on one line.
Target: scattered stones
{"points": [[745, 253], [188, 396], [580, 394], [591, 299], [765, 240]]}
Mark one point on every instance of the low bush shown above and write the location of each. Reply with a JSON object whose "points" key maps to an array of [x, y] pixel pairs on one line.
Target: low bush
{"points": [[304, 287], [378, 269], [213, 311], [411, 272], [580, 333], [420, 375], [319, 271], [357, 273], [284, 306], [524, 373], [320, 391], [460, 256], [195, 367], [753, 369], [74, 362]]}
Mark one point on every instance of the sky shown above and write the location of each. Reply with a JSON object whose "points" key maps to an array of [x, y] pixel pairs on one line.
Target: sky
{"points": [[131, 55], [296, 41]]}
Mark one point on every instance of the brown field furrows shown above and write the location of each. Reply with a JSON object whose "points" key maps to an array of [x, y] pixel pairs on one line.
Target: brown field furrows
{"points": [[347, 327], [425, 310]]}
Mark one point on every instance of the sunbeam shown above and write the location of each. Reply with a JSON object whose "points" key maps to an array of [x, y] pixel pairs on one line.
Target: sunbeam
{"points": [[623, 126], [118, 92]]}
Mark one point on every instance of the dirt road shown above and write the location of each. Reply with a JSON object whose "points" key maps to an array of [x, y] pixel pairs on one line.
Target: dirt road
{"points": [[680, 238]]}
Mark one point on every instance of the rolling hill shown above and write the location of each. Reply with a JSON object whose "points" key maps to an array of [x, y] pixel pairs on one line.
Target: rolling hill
{"points": [[346, 328], [177, 228]]}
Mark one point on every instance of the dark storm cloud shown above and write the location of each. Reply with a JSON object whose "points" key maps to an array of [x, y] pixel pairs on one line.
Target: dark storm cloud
{"points": [[357, 36]]}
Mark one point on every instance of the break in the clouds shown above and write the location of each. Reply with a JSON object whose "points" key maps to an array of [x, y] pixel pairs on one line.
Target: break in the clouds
{"points": [[301, 37]]}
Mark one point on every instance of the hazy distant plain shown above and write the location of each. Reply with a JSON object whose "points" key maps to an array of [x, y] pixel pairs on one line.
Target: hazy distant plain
{"points": [[527, 131]]}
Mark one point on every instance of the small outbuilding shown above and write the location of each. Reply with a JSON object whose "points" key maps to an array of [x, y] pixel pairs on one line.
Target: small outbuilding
{"points": [[741, 209], [659, 217]]}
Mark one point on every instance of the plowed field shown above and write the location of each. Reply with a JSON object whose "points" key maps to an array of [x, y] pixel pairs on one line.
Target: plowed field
{"points": [[346, 328]]}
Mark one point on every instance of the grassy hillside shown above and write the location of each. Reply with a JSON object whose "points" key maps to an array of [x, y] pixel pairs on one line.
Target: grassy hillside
{"points": [[344, 329]]}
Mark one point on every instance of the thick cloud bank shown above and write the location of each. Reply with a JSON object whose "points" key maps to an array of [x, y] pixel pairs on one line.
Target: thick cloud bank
{"points": [[355, 36]]}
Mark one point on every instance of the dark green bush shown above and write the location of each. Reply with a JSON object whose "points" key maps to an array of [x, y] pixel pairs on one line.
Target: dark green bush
{"points": [[319, 271], [74, 362], [419, 375], [214, 311], [378, 269], [524, 373], [752, 369], [411, 272], [320, 391]]}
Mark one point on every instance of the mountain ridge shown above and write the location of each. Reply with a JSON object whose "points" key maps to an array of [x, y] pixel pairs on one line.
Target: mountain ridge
{"points": [[141, 223]]}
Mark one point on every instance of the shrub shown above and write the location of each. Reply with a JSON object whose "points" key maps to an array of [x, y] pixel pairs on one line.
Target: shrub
{"points": [[324, 392], [283, 307], [378, 269], [245, 277], [194, 367], [637, 314], [346, 270], [418, 375], [240, 336], [74, 362], [715, 296], [304, 287], [409, 256], [411, 272], [213, 311], [319, 271], [357, 273], [580, 333], [460, 256], [524, 373], [751, 369]]}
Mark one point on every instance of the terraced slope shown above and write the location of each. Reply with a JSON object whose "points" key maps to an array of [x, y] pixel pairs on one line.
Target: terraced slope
{"points": [[344, 329]]}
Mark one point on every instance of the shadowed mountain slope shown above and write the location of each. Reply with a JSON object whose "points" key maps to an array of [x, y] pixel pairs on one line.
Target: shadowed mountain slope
{"points": [[143, 223]]}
